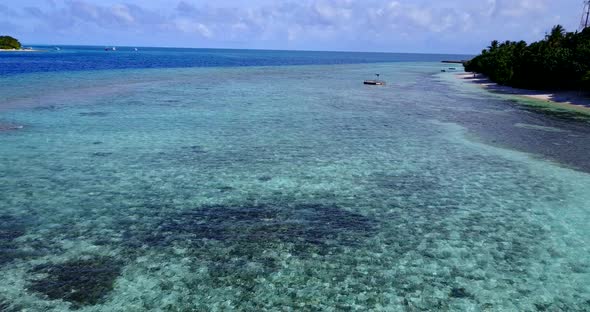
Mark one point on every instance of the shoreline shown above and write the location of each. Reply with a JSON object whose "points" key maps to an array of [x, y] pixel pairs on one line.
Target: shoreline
{"points": [[20, 50], [565, 99]]}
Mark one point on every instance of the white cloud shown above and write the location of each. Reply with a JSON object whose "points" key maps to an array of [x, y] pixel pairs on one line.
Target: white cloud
{"points": [[490, 10], [334, 23], [190, 26], [122, 13], [520, 8]]}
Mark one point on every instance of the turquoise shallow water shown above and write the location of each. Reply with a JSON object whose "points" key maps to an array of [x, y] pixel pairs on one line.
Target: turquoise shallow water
{"points": [[287, 188]]}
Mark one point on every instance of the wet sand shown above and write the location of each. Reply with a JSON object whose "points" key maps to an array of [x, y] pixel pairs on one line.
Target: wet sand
{"points": [[571, 98]]}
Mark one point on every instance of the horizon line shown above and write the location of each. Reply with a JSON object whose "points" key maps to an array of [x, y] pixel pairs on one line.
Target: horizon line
{"points": [[248, 49]]}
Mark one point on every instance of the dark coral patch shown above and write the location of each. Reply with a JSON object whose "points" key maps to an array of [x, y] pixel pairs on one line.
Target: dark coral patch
{"points": [[101, 154], [95, 114], [46, 108], [459, 292], [81, 282], [4, 305], [225, 188], [195, 149], [11, 228], [262, 225], [7, 306], [331, 222]]}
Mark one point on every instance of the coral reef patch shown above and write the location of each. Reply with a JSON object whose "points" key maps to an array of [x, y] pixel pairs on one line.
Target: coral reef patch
{"points": [[81, 282], [11, 228], [262, 225]]}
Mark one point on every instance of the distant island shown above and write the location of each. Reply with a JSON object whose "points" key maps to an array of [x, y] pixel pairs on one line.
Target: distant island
{"points": [[9, 43], [559, 62]]}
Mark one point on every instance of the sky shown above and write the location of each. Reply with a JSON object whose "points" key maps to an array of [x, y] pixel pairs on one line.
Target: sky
{"points": [[427, 26]]}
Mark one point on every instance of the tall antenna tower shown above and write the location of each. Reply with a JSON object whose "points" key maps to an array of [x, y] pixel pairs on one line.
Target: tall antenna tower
{"points": [[585, 16]]}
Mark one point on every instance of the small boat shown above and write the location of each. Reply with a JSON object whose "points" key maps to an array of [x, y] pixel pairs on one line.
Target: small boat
{"points": [[443, 70], [375, 82], [57, 49], [135, 49]]}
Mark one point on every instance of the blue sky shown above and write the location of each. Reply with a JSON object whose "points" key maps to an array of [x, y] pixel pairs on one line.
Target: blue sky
{"points": [[450, 26]]}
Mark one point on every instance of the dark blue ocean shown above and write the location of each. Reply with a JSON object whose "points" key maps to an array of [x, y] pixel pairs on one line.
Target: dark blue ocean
{"points": [[77, 58]]}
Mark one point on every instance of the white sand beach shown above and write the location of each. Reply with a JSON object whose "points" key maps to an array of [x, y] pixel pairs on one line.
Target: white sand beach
{"points": [[573, 98], [20, 50]]}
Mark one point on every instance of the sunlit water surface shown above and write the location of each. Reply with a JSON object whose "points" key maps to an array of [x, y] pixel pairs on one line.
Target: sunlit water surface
{"points": [[287, 188]]}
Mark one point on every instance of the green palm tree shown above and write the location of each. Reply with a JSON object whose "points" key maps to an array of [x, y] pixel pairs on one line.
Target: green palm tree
{"points": [[556, 36], [494, 46]]}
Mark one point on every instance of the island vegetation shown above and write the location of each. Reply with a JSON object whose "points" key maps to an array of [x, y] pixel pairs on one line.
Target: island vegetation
{"points": [[9, 43], [561, 61]]}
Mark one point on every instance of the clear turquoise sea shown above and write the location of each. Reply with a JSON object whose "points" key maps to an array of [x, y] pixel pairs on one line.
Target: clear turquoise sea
{"points": [[264, 184]]}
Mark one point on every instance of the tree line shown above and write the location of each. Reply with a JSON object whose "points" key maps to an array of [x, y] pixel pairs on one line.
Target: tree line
{"points": [[560, 61], [8, 43]]}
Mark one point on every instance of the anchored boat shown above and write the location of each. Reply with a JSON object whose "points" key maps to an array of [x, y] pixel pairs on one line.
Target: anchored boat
{"points": [[375, 82]]}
